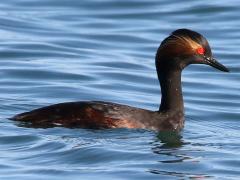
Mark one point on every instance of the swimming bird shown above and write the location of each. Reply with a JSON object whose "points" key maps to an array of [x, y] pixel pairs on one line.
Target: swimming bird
{"points": [[180, 49]]}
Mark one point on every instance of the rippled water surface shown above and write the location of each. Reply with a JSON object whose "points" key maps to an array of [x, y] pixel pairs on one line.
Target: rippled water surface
{"points": [[53, 51]]}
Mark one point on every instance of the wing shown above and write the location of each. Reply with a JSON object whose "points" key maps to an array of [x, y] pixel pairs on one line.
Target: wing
{"points": [[91, 114]]}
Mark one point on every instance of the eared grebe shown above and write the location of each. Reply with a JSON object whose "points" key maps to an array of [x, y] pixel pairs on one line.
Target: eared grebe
{"points": [[181, 48]]}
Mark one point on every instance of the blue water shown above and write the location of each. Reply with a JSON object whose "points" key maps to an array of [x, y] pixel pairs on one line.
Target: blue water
{"points": [[54, 51]]}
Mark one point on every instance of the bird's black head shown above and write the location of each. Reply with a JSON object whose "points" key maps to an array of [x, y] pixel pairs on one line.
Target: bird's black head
{"points": [[184, 47]]}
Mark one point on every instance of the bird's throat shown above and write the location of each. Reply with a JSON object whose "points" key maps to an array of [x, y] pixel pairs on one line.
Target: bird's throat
{"points": [[171, 88]]}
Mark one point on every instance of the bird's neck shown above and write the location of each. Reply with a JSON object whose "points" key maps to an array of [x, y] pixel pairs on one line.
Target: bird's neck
{"points": [[171, 88]]}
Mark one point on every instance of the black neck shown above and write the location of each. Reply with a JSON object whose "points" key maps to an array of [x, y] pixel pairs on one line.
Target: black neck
{"points": [[171, 88]]}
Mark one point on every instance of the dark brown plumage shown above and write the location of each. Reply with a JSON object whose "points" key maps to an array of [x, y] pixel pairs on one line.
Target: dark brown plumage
{"points": [[96, 115], [181, 48]]}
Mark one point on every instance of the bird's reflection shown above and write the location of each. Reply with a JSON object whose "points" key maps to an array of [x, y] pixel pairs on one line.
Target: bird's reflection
{"points": [[170, 146], [170, 139]]}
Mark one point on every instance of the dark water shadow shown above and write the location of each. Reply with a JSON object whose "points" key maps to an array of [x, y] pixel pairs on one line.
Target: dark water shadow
{"points": [[170, 139], [171, 148]]}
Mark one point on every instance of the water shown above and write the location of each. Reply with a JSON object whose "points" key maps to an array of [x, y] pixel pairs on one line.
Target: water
{"points": [[54, 51]]}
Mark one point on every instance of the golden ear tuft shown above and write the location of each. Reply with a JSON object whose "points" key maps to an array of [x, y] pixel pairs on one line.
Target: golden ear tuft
{"points": [[188, 42], [178, 45]]}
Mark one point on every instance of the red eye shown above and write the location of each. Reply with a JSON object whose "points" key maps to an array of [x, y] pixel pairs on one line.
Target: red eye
{"points": [[200, 51]]}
